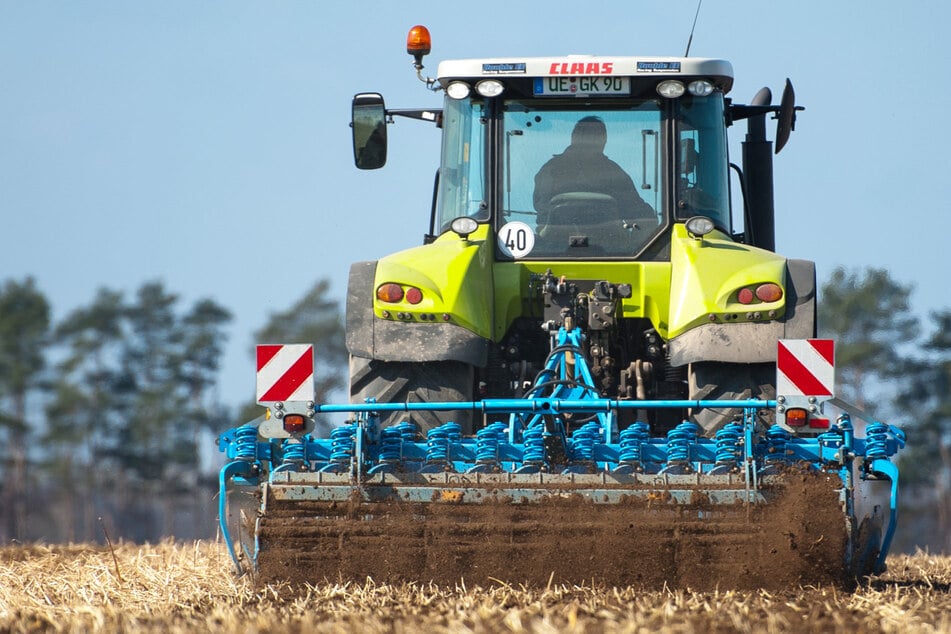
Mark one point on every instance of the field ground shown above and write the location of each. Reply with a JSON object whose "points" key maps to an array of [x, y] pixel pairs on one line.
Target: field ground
{"points": [[172, 587]]}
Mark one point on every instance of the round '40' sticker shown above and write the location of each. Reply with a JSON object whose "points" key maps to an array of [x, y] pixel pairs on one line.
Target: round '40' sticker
{"points": [[516, 239]]}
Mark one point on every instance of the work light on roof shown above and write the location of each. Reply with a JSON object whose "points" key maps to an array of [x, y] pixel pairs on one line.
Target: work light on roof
{"points": [[489, 88], [670, 88], [700, 88], [458, 90]]}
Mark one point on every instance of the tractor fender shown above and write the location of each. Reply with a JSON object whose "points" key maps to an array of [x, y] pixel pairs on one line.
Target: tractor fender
{"points": [[748, 342], [373, 338]]}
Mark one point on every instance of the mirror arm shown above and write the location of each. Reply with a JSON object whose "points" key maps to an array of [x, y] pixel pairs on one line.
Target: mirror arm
{"points": [[422, 115], [739, 112]]}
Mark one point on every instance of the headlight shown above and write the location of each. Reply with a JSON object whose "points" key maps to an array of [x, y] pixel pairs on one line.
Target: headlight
{"points": [[458, 90], [700, 88], [490, 88], [699, 226], [464, 225], [670, 88]]}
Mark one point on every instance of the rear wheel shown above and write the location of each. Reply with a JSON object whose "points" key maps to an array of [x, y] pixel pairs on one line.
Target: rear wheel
{"points": [[413, 382], [730, 382]]}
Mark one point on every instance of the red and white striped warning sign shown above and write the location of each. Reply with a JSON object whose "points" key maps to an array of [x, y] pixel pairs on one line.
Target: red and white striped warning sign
{"points": [[805, 367], [285, 373]]}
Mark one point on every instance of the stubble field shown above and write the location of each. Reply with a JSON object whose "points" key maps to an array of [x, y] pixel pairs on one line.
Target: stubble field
{"points": [[173, 587]]}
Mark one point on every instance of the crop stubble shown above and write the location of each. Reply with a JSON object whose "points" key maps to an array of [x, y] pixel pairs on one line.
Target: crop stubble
{"points": [[172, 587]]}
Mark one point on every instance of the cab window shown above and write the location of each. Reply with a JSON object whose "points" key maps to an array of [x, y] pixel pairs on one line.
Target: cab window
{"points": [[462, 173], [702, 170]]}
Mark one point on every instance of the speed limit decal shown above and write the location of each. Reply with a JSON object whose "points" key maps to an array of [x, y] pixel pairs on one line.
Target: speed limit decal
{"points": [[516, 239]]}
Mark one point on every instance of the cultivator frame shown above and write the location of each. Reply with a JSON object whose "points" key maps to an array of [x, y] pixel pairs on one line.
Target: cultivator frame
{"points": [[535, 450]]}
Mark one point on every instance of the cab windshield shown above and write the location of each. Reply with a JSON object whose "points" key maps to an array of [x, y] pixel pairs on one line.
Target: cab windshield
{"points": [[585, 183], [583, 180]]}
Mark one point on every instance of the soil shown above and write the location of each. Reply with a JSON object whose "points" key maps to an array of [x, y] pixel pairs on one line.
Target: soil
{"points": [[798, 539]]}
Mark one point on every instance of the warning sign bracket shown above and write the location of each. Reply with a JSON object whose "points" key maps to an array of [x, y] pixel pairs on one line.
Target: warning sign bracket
{"points": [[285, 385], [805, 381]]}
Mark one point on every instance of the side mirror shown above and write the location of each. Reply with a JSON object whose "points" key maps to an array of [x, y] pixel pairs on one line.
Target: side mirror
{"points": [[786, 122], [368, 124]]}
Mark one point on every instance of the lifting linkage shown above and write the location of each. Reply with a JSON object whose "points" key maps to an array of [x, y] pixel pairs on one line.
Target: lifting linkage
{"points": [[527, 453]]}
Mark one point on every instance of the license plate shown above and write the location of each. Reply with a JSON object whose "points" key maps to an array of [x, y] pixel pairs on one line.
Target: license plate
{"points": [[582, 86]]}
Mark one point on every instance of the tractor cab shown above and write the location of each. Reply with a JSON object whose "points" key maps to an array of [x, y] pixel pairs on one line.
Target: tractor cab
{"points": [[569, 165], [585, 157]]}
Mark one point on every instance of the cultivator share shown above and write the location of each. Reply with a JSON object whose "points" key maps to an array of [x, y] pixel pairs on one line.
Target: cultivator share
{"points": [[586, 372]]}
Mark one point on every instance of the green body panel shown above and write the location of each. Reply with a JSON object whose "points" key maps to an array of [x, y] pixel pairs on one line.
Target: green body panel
{"points": [[454, 275], [706, 275], [460, 278]]}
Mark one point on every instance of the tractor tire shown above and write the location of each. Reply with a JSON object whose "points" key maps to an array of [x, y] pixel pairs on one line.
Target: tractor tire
{"points": [[414, 382], [714, 381]]}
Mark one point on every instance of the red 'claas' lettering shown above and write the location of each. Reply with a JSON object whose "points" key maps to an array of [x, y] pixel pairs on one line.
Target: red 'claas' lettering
{"points": [[581, 68]]}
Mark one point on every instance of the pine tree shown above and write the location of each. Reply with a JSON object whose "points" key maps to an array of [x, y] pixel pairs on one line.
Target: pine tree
{"points": [[24, 327]]}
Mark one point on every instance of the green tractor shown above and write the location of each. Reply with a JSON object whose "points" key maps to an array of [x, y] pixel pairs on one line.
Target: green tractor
{"points": [[589, 192]]}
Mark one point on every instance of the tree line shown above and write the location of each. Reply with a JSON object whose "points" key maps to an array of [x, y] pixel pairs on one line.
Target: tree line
{"points": [[896, 365], [108, 415]]}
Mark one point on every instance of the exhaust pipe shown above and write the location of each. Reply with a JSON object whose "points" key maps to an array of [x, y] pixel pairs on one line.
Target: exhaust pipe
{"points": [[758, 172]]}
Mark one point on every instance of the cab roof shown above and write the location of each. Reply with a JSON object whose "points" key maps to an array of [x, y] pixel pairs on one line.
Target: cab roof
{"points": [[718, 71]]}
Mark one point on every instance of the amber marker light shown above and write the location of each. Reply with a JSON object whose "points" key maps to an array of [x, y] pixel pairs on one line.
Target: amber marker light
{"points": [[769, 292], [293, 423], [389, 292], [796, 417]]}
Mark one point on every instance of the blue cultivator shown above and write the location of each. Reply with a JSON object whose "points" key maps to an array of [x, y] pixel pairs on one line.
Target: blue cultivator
{"points": [[327, 506]]}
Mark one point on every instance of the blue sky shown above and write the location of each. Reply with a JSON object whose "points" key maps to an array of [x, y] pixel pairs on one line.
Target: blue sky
{"points": [[206, 143]]}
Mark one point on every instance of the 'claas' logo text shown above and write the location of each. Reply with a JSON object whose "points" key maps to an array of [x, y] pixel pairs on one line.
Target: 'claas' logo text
{"points": [[581, 68]]}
